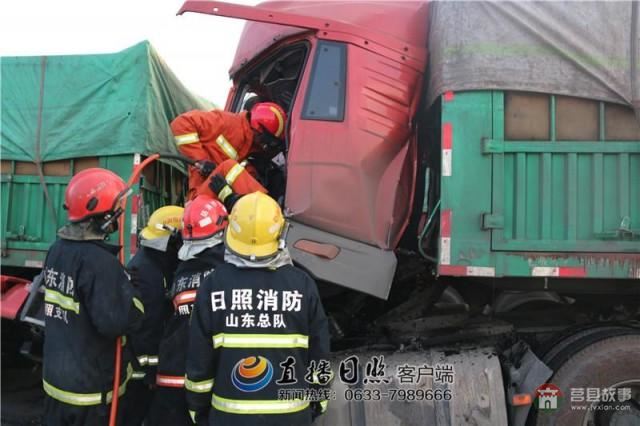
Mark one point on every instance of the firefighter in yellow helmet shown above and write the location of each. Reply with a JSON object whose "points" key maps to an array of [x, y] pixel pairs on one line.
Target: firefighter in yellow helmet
{"points": [[152, 269], [263, 315]]}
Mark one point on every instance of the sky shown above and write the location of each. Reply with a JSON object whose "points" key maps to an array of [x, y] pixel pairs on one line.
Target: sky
{"points": [[198, 48]]}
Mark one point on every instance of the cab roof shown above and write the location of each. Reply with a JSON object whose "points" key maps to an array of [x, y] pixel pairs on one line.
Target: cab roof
{"points": [[401, 21]]}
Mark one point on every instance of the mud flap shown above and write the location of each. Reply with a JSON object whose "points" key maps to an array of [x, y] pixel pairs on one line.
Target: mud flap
{"points": [[525, 372], [477, 393], [342, 261]]}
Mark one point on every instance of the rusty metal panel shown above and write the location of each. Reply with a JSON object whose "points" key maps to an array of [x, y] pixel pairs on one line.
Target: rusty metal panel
{"points": [[621, 124], [26, 168], [83, 163], [526, 116], [5, 166], [57, 168], [576, 119]]}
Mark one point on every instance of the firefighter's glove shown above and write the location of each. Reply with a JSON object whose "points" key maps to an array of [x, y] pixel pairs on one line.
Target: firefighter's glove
{"points": [[230, 201], [217, 184], [134, 276], [318, 408], [224, 191], [205, 167]]}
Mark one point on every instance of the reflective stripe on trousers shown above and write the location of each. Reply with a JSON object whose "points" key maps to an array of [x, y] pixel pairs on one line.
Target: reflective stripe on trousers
{"points": [[170, 381], [276, 406], [203, 386], [147, 360], [84, 399]]}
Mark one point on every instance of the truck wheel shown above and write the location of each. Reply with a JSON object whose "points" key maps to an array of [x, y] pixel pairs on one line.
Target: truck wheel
{"points": [[579, 339], [609, 363]]}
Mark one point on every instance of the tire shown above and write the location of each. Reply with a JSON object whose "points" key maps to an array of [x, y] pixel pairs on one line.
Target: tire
{"points": [[601, 365], [578, 341]]}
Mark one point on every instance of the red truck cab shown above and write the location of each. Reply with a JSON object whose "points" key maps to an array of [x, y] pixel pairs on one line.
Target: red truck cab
{"points": [[351, 88]]}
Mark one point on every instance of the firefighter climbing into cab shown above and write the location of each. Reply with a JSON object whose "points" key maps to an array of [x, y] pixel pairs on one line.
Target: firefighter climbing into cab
{"points": [[89, 302], [222, 143], [153, 265], [202, 251], [261, 313]]}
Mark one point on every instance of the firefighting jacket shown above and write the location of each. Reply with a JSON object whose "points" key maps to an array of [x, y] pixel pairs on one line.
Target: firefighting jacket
{"points": [[211, 135], [155, 274], [187, 279], [245, 324], [89, 302]]}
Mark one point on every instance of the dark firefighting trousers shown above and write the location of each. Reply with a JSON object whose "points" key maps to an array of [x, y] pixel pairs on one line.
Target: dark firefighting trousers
{"points": [[137, 403], [58, 413], [169, 408]]}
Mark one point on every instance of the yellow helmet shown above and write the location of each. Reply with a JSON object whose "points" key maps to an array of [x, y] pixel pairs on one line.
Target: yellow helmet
{"points": [[255, 225], [162, 222]]}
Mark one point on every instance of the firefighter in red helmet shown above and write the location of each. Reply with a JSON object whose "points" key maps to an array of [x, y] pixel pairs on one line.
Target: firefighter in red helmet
{"points": [[89, 301], [220, 141], [202, 251]]}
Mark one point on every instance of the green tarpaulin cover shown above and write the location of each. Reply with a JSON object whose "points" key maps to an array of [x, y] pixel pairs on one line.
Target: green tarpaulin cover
{"points": [[59, 107]]}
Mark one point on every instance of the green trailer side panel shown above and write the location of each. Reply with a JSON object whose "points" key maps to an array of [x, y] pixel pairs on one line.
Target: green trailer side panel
{"points": [[570, 196], [535, 207], [28, 227]]}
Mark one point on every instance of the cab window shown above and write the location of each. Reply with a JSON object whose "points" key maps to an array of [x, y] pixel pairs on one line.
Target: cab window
{"points": [[324, 99]]}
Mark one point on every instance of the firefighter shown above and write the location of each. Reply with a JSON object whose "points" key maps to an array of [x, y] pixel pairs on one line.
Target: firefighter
{"points": [[262, 314], [202, 251], [153, 265], [89, 301], [213, 137]]}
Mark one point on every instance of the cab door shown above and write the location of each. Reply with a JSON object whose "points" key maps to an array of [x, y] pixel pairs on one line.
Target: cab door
{"points": [[351, 165], [352, 157]]}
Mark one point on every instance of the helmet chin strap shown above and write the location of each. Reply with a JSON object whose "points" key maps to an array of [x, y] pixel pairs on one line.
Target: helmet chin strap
{"points": [[110, 219], [282, 241], [113, 216], [268, 141]]}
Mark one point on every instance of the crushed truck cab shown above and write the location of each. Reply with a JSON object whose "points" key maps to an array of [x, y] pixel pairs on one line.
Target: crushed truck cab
{"points": [[352, 94], [373, 152], [482, 157]]}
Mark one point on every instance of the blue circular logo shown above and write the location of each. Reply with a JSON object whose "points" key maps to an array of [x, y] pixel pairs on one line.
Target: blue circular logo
{"points": [[252, 374]]}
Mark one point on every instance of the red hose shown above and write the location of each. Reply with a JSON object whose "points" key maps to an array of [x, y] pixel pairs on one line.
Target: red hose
{"points": [[135, 175]]}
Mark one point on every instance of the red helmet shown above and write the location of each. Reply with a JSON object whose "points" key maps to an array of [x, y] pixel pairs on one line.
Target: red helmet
{"points": [[203, 218], [269, 116], [93, 192]]}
